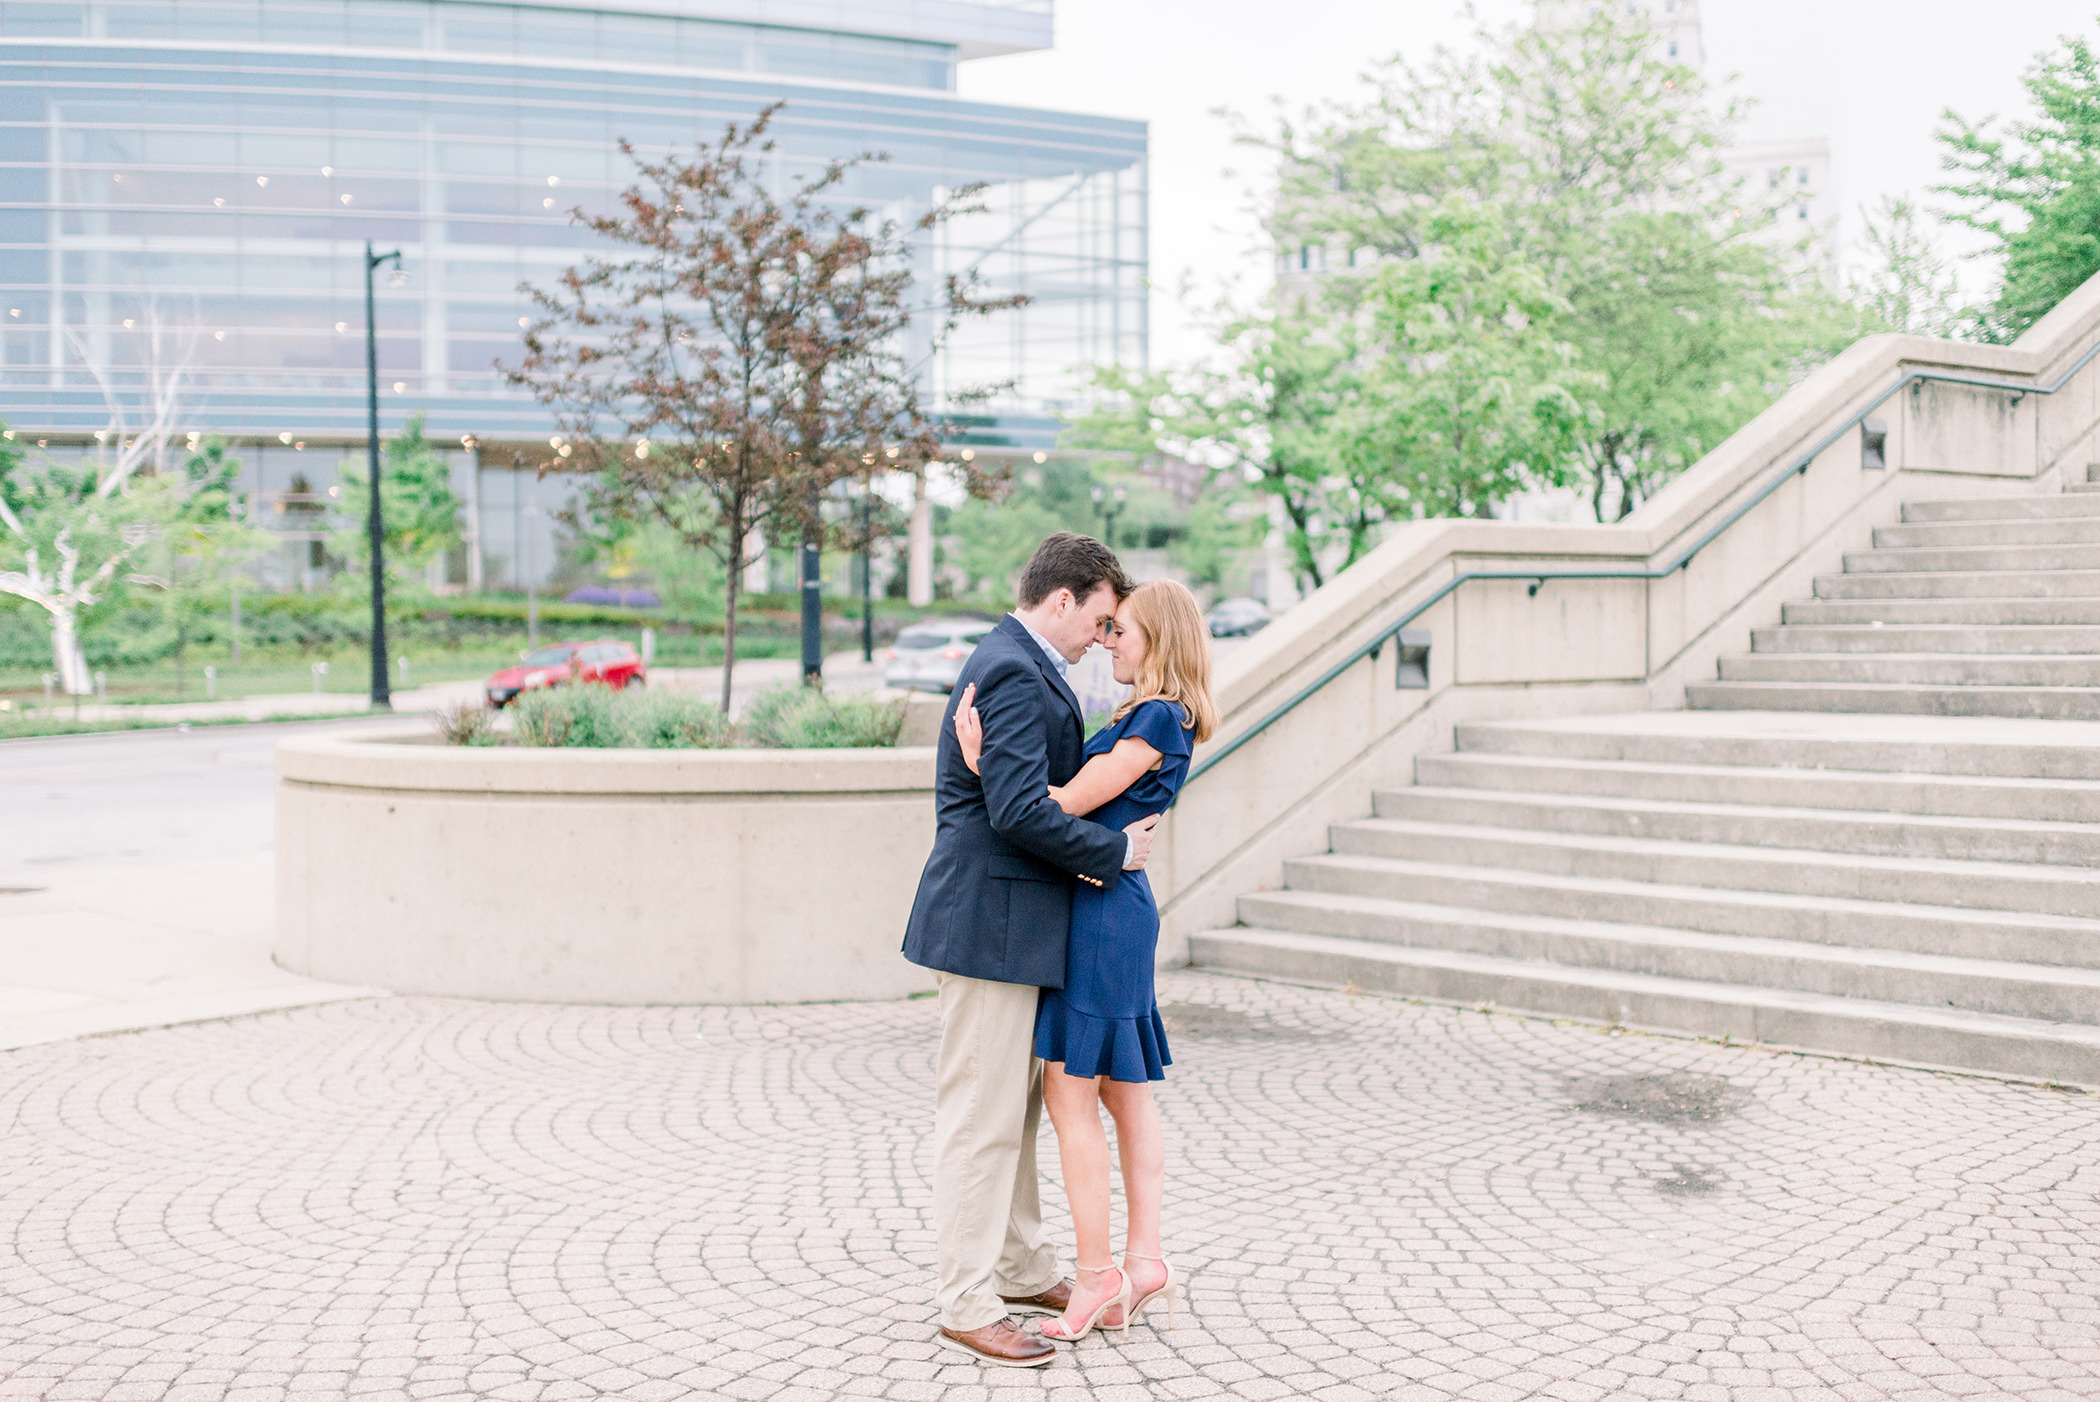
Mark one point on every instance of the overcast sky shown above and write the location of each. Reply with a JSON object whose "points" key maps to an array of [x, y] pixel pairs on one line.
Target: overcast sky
{"points": [[1870, 75]]}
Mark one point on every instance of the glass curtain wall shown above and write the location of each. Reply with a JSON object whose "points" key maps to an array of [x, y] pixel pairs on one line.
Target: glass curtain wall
{"points": [[184, 202]]}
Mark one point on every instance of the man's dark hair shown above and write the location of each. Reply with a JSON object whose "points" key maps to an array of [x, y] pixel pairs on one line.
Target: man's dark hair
{"points": [[1072, 561]]}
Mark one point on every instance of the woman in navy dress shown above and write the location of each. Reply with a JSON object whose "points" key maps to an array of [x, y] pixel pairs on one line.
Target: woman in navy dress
{"points": [[1101, 1034]]}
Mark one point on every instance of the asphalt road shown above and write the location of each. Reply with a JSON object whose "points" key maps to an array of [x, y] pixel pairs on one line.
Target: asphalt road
{"points": [[141, 796]]}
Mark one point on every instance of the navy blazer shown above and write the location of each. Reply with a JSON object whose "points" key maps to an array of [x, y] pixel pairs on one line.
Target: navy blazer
{"points": [[995, 900]]}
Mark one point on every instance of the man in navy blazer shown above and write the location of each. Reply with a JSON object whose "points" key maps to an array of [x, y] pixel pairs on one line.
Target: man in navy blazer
{"points": [[991, 918]]}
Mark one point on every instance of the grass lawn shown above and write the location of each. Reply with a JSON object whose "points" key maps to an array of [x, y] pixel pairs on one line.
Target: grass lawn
{"points": [[284, 670]]}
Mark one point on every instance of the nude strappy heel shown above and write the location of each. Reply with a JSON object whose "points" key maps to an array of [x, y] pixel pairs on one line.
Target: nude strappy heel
{"points": [[1167, 1288], [1121, 1297]]}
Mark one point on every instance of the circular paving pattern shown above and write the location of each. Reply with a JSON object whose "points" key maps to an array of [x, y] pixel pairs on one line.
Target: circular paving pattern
{"points": [[427, 1199]]}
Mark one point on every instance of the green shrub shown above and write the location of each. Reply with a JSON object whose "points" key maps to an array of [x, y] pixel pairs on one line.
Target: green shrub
{"points": [[806, 718], [593, 717], [675, 720], [568, 717]]}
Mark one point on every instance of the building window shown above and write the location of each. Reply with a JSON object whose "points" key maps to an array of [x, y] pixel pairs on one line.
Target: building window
{"points": [[1802, 175], [1312, 258], [1801, 213], [1673, 48]]}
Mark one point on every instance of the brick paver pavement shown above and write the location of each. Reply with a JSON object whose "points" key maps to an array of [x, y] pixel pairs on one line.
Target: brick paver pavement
{"points": [[426, 1198]]}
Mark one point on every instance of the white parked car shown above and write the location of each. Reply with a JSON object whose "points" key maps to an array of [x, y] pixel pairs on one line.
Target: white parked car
{"points": [[929, 656]]}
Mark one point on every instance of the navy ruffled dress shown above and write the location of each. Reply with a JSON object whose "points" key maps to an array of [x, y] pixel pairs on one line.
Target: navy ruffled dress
{"points": [[1105, 1020]]}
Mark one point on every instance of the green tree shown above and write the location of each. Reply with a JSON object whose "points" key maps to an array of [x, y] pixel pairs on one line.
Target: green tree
{"points": [[1474, 398], [1906, 284], [71, 536], [420, 509], [993, 540], [2034, 190], [1686, 338], [1219, 526], [740, 349], [1598, 160], [994, 537], [204, 537], [1283, 416]]}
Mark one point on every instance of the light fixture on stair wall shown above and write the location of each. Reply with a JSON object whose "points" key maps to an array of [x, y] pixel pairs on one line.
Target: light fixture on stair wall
{"points": [[1411, 663], [1874, 444]]}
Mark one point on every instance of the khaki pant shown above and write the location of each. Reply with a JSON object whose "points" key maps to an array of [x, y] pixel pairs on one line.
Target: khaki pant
{"points": [[988, 1223]]}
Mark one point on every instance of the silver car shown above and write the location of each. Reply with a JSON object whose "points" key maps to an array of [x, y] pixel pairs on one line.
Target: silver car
{"points": [[1236, 618], [929, 656]]}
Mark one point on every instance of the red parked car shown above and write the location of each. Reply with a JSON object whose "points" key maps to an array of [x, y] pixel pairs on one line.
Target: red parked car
{"points": [[607, 661]]}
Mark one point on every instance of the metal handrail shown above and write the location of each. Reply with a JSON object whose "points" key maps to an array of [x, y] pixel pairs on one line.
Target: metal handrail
{"points": [[1538, 577]]}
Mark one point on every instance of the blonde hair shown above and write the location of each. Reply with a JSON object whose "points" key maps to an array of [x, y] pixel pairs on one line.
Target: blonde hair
{"points": [[1176, 665]]}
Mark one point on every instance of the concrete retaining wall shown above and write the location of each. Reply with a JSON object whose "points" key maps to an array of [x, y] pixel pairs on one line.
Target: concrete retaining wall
{"points": [[602, 876]]}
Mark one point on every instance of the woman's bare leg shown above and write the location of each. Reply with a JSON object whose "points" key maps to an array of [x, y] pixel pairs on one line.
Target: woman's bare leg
{"points": [[1074, 1103], [1142, 1147]]}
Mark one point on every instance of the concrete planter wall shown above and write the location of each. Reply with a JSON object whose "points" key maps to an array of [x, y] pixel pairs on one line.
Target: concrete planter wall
{"points": [[607, 876]]}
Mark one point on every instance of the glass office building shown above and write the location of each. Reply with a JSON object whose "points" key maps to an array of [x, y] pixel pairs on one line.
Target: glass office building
{"points": [[189, 186]]}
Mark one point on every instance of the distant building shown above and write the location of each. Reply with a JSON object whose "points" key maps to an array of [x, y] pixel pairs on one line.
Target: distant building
{"points": [[1795, 176], [217, 166]]}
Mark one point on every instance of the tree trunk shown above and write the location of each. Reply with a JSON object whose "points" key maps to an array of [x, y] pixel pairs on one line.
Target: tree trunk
{"points": [[66, 655], [734, 586]]}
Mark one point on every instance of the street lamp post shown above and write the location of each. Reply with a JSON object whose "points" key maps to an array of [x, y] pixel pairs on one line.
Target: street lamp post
{"points": [[375, 522], [813, 599], [1110, 504]]}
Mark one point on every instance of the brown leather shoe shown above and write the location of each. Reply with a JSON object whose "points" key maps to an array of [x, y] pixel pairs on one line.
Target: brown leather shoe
{"points": [[1051, 1301], [1002, 1343]]}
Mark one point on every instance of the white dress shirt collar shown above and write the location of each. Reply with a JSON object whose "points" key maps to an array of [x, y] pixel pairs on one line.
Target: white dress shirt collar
{"points": [[1057, 659]]}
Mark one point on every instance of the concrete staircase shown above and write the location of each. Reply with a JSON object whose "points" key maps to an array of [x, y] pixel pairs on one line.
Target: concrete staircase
{"points": [[1887, 846], [1987, 607]]}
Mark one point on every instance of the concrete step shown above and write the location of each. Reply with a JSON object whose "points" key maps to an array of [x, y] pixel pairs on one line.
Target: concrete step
{"points": [[1981, 613], [1913, 668], [2083, 487], [1909, 835], [1955, 583], [1852, 791], [2056, 529], [1903, 745], [2002, 558], [1844, 1026], [2031, 702], [2057, 639], [2018, 937], [1997, 886], [2017, 508], [2048, 992]]}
